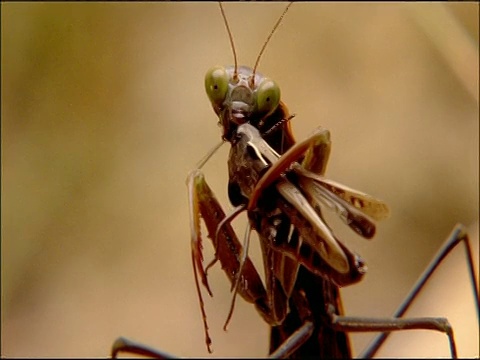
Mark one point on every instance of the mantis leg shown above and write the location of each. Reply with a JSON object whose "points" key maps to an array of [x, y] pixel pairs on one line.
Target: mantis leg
{"points": [[458, 235], [397, 322], [203, 204], [229, 250], [360, 324], [132, 347]]}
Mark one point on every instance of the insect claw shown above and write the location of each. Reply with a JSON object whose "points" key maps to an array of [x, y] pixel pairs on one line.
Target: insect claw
{"points": [[205, 283], [230, 313], [195, 263], [225, 325], [203, 276], [234, 284], [228, 219], [201, 272], [208, 341], [215, 259], [238, 275]]}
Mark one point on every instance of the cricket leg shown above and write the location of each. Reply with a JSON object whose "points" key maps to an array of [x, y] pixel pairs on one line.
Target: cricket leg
{"points": [[318, 143], [353, 207]]}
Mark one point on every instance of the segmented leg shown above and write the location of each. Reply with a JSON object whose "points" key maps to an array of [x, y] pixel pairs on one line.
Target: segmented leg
{"points": [[227, 219], [229, 250], [294, 341], [316, 144], [458, 235], [304, 191], [395, 323], [360, 324], [315, 150], [234, 289], [132, 347]]}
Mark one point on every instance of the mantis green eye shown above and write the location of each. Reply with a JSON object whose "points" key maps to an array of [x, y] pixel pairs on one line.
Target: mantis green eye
{"points": [[268, 96], [216, 84]]}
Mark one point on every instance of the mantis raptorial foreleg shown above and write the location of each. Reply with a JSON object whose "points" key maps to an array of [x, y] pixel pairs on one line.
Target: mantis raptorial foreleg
{"points": [[229, 250]]}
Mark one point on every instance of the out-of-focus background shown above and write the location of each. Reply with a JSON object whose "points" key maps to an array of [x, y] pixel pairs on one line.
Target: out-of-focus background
{"points": [[104, 113]]}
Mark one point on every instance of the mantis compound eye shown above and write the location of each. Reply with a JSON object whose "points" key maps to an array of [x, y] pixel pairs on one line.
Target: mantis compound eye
{"points": [[268, 97], [216, 85]]}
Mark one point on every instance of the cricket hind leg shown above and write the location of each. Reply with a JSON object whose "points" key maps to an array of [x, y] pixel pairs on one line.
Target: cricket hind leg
{"points": [[317, 154], [314, 150]]}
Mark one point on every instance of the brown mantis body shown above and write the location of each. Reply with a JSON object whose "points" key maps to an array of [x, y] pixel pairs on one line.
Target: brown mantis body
{"points": [[281, 186]]}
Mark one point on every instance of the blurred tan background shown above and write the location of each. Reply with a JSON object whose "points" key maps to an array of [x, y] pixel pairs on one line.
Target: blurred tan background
{"points": [[104, 114]]}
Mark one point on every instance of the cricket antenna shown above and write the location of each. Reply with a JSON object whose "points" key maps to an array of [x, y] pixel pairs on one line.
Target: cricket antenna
{"points": [[266, 42], [235, 73]]}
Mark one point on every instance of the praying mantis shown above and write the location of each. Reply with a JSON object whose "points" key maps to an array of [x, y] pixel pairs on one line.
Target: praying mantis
{"points": [[264, 163]]}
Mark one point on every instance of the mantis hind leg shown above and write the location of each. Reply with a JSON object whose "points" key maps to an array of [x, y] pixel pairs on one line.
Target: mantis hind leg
{"points": [[457, 236], [132, 347]]}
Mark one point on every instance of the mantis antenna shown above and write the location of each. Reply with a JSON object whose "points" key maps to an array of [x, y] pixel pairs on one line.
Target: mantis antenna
{"points": [[230, 36]]}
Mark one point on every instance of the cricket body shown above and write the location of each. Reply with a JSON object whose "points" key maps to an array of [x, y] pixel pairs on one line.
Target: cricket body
{"points": [[281, 185]]}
